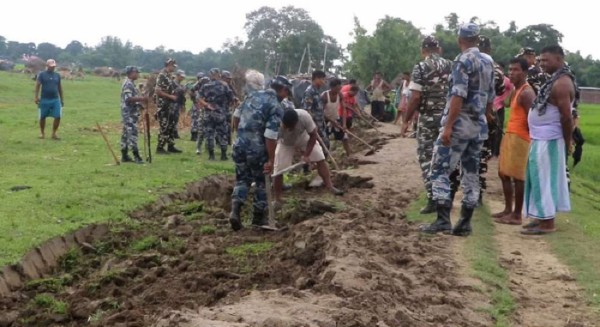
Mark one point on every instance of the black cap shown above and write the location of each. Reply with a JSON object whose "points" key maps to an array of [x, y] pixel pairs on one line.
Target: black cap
{"points": [[282, 81], [170, 61], [225, 74], [131, 69], [430, 42], [484, 42], [526, 51]]}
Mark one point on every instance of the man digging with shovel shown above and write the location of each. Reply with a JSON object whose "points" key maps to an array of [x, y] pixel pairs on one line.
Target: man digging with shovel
{"points": [[299, 131]]}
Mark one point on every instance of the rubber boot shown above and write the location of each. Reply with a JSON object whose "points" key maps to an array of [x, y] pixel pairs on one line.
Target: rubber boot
{"points": [[430, 207], [124, 156], [173, 149], [463, 227], [211, 155], [235, 216], [480, 202], [442, 224], [136, 157], [161, 151], [194, 137], [259, 218], [224, 153]]}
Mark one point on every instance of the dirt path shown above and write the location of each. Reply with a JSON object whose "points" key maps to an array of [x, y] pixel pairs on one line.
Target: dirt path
{"points": [[377, 270], [546, 292]]}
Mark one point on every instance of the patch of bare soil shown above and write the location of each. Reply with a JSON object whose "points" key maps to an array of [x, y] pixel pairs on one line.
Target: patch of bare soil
{"points": [[546, 292], [348, 261]]}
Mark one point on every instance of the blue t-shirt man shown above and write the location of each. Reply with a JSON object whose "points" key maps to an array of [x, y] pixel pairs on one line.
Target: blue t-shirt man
{"points": [[52, 100]]}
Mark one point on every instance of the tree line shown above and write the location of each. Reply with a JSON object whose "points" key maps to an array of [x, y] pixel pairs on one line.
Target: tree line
{"points": [[288, 41]]}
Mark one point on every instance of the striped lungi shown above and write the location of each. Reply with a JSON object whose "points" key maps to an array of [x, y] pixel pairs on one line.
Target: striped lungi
{"points": [[546, 188]]}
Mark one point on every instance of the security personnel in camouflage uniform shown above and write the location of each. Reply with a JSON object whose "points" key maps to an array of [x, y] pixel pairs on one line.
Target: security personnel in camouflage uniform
{"points": [[201, 114], [429, 87], [226, 77], [254, 148], [485, 46], [535, 76], [215, 97], [165, 100], [179, 105], [311, 101], [464, 127], [130, 113], [195, 112]]}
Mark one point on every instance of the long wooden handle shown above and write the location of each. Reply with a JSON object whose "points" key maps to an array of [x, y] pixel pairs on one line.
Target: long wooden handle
{"points": [[108, 144], [288, 169], [327, 152], [358, 138], [269, 189]]}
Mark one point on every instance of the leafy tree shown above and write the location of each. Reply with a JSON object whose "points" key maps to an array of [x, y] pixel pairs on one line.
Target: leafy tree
{"points": [[48, 50], [75, 48], [3, 46]]}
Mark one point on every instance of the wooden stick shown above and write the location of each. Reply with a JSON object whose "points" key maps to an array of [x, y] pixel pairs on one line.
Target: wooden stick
{"points": [[327, 152], [269, 189], [288, 169], [108, 144]]}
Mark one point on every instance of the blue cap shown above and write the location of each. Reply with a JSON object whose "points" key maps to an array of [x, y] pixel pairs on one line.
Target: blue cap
{"points": [[468, 30], [131, 69]]}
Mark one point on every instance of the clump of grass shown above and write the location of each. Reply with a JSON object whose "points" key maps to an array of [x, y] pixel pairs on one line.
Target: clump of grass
{"points": [[145, 244], [49, 284], [71, 260], [245, 250], [50, 303], [208, 230]]}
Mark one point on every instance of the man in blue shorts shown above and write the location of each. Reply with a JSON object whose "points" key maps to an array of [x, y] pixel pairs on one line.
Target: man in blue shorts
{"points": [[52, 100]]}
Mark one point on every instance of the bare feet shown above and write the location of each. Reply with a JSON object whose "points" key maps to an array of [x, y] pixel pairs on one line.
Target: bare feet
{"points": [[42, 136], [56, 138], [544, 227], [510, 219], [501, 214]]}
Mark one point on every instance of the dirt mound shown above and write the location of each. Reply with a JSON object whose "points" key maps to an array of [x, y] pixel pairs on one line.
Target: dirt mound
{"points": [[344, 261]]}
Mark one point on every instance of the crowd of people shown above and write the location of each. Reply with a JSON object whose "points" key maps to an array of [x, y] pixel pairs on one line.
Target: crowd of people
{"points": [[455, 108]]}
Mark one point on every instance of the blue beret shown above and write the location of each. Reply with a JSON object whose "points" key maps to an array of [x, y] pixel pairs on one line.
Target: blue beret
{"points": [[468, 30]]}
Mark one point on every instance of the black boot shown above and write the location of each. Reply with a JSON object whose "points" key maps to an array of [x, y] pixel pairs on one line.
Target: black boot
{"points": [[431, 207], [194, 137], [224, 154], [211, 155], [124, 156], [161, 150], [480, 202], [259, 218], [442, 224], [463, 227], [234, 217], [173, 149], [137, 158]]}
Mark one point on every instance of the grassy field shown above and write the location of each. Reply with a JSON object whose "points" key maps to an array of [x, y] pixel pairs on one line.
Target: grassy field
{"points": [[579, 231], [74, 181]]}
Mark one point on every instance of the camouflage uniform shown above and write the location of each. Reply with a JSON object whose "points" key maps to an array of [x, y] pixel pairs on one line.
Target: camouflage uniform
{"points": [[130, 114], [472, 79], [287, 104], [219, 95], [430, 77], [493, 131], [312, 103], [199, 114], [260, 117], [165, 112], [536, 78], [178, 106]]}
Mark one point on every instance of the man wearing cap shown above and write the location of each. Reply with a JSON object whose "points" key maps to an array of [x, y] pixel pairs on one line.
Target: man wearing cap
{"points": [[535, 76], [429, 87], [464, 127], [485, 46], [195, 112], [179, 104], [130, 113], [165, 100], [311, 101], [254, 147], [226, 77], [215, 97], [52, 101]]}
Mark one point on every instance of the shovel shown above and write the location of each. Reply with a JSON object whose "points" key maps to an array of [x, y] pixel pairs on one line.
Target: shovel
{"points": [[371, 148], [327, 152]]}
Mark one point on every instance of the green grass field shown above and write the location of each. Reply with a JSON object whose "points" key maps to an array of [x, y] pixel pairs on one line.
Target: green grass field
{"points": [[74, 181]]}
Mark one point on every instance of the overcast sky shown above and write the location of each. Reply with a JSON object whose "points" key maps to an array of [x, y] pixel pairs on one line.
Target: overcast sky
{"points": [[196, 25]]}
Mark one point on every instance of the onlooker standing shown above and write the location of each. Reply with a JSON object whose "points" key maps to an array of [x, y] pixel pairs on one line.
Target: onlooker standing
{"points": [[550, 128], [515, 146], [379, 89], [499, 111], [464, 127], [52, 100], [130, 113]]}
